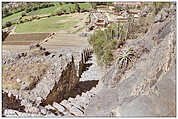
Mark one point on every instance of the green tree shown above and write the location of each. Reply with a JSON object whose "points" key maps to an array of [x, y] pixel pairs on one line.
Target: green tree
{"points": [[93, 4], [23, 14], [8, 24], [77, 7], [5, 11]]}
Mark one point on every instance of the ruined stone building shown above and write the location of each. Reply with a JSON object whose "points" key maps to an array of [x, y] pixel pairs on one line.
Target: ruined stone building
{"points": [[97, 19]]}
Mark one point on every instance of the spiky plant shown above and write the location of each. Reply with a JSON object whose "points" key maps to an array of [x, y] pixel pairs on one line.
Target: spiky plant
{"points": [[125, 57]]}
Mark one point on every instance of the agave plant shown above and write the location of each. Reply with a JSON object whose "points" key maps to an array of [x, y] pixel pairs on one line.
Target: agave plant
{"points": [[125, 57]]}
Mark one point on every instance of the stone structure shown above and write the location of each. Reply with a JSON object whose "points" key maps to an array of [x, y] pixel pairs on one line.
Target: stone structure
{"points": [[6, 32], [97, 19], [52, 83]]}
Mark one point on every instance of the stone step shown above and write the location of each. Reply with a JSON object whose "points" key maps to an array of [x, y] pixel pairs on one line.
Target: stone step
{"points": [[78, 106], [59, 107], [49, 107], [76, 111]]}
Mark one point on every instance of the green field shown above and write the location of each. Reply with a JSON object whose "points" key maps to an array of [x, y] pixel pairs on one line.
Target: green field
{"points": [[11, 17], [85, 5], [44, 25], [44, 11], [51, 24]]}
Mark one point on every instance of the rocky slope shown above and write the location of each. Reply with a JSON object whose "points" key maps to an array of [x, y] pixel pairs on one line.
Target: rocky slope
{"points": [[149, 87]]}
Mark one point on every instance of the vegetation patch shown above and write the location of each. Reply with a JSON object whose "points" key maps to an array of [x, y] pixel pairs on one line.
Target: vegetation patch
{"points": [[104, 42], [33, 11], [51, 24], [125, 58]]}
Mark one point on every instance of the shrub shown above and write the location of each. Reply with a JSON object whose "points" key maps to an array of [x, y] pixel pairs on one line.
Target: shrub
{"points": [[118, 8], [53, 14], [59, 12], [8, 24], [21, 21], [64, 11], [125, 57], [23, 14], [77, 7], [108, 57], [35, 8], [27, 10], [102, 46]]}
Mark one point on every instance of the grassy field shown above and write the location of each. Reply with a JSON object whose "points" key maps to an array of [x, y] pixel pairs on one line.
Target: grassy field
{"points": [[85, 5], [11, 17], [44, 11], [52, 24]]}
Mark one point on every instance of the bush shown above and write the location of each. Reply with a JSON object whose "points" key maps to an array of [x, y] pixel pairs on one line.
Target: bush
{"points": [[27, 10], [59, 12], [23, 14], [64, 11], [108, 57], [53, 14], [83, 10], [102, 46], [77, 7], [21, 21], [35, 8], [8, 24], [118, 8], [3, 26]]}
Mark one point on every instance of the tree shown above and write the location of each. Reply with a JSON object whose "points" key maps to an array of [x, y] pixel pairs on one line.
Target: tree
{"points": [[77, 7], [117, 30], [8, 24], [27, 10], [59, 12], [93, 4], [23, 14], [5, 11]]}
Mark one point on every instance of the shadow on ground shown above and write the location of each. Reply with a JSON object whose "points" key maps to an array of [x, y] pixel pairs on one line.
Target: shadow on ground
{"points": [[82, 87]]}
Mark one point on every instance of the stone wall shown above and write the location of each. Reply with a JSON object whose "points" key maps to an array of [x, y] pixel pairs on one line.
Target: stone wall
{"points": [[62, 75], [85, 55], [11, 102], [68, 80]]}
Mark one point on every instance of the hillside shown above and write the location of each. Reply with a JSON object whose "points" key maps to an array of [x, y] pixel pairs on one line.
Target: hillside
{"points": [[149, 87], [31, 11], [107, 59]]}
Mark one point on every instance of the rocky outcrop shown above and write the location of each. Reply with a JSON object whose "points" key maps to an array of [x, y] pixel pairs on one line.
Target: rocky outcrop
{"points": [[161, 16], [149, 87]]}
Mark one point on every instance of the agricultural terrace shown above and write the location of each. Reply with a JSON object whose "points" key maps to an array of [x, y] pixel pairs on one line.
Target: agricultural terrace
{"points": [[65, 23], [31, 13]]}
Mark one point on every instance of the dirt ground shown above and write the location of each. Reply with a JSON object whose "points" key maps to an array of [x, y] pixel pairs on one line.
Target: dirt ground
{"points": [[68, 41], [60, 40]]}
